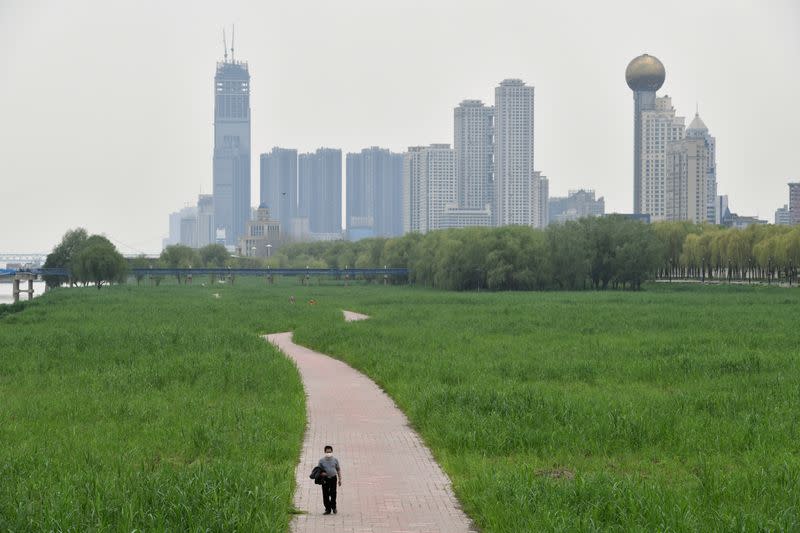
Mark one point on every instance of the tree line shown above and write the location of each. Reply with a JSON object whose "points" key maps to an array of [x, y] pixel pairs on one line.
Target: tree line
{"points": [[593, 253], [701, 252], [598, 253]]}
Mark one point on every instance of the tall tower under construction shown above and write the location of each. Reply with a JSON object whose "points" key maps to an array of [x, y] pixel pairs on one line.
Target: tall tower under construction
{"points": [[231, 147]]}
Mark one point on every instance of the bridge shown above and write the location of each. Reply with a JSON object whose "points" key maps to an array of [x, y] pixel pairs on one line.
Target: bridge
{"points": [[336, 272], [29, 275], [24, 258]]}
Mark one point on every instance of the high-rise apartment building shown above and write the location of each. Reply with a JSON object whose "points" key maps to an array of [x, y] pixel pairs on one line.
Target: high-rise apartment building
{"points": [[231, 172], [697, 130], [305, 171], [794, 203], [188, 221], [374, 193], [543, 198], [278, 173], [516, 185], [205, 220], [473, 144], [320, 190], [690, 186], [660, 127], [429, 186]]}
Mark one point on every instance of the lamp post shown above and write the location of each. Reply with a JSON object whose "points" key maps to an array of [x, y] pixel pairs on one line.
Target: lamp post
{"points": [[269, 250]]}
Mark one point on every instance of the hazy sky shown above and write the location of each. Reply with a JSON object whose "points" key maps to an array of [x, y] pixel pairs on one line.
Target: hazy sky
{"points": [[106, 107]]}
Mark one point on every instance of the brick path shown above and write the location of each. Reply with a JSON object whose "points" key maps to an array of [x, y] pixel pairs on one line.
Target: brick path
{"points": [[390, 482]]}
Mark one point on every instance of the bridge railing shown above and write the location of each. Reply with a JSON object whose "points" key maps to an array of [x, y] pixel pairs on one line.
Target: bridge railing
{"points": [[352, 272]]}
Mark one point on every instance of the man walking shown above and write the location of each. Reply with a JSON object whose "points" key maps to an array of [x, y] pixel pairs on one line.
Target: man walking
{"points": [[331, 475]]}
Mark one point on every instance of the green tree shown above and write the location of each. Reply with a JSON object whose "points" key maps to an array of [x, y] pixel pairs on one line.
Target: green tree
{"points": [[179, 256], [569, 261], [98, 261], [637, 255], [63, 255], [213, 255]]}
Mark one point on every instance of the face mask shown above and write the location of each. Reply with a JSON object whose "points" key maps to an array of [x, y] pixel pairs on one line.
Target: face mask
{"points": [[328, 454]]}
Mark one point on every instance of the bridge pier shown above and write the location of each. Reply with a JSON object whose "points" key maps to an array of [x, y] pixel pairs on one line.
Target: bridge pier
{"points": [[16, 290]]}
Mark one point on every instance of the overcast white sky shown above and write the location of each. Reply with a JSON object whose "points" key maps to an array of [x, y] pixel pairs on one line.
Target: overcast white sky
{"points": [[106, 107]]}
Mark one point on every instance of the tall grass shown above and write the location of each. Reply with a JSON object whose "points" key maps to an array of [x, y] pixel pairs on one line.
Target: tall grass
{"points": [[149, 409], [161, 408], [671, 409]]}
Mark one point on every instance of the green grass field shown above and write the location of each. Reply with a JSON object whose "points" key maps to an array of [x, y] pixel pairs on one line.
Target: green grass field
{"points": [[161, 408], [148, 409], [673, 409]]}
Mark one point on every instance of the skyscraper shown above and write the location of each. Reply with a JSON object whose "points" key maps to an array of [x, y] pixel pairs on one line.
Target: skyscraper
{"points": [[278, 177], [231, 172], [374, 193], [472, 142], [645, 75], [205, 220], [429, 186], [321, 184], [516, 185], [660, 127], [690, 181], [305, 171], [542, 208]]}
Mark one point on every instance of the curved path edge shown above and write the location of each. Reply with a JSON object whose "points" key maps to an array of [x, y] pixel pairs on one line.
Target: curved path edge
{"points": [[390, 480]]}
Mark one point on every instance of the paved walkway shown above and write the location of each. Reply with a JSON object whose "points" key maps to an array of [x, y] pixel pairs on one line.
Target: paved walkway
{"points": [[390, 482]]}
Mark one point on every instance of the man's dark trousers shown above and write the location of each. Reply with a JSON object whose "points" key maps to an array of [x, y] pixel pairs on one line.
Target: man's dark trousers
{"points": [[329, 493]]}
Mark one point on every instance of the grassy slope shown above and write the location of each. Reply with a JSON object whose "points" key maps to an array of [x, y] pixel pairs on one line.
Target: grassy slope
{"points": [[675, 409], [149, 409]]}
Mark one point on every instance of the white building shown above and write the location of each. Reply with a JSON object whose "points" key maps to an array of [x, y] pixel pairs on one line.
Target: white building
{"points": [[262, 234], [690, 188], [473, 145], [783, 217], [516, 185], [429, 186], [698, 130], [660, 127]]}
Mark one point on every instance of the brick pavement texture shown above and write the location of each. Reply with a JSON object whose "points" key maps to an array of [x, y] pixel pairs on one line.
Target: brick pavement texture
{"points": [[390, 481]]}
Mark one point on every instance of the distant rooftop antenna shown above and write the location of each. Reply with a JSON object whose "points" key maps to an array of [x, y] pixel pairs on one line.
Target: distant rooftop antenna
{"points": [[225, 45], [233, 40]]}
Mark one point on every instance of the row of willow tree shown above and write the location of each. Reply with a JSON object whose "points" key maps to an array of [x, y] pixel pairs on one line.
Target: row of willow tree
{"points": [[599, 253]]}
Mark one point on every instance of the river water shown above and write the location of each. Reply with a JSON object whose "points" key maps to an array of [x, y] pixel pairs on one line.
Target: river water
{"points": [[7, 295]]}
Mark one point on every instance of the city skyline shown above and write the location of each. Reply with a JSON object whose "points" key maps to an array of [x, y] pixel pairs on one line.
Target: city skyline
{"points": [[738, 88]]}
